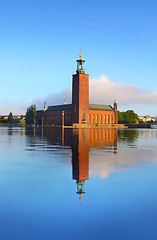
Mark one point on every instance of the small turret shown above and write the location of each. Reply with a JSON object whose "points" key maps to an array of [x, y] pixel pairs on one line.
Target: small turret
{"points": [[45, 108], [115, 105], [116, 112]]}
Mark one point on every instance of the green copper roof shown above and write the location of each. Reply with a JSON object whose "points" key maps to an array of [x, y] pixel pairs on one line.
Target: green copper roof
{"points": [[100, 107]]}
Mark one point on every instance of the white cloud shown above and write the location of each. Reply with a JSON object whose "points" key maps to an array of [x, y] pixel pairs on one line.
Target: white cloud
{"points": [[110, 163], [104, 91]]}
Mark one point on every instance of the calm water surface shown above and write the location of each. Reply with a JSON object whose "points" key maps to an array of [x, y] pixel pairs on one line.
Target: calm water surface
{"points": [[78, 184]]}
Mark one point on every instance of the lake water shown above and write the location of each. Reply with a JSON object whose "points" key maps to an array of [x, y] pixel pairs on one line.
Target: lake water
{"points": [[78, 184]]}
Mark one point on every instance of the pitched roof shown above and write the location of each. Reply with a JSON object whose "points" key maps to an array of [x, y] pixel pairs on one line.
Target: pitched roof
{"points": [[91, 106], [59, 107], [100, 107]]}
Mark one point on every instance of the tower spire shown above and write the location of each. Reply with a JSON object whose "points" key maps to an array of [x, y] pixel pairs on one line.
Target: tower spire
{"points": [[80, 53], [80, 188]]}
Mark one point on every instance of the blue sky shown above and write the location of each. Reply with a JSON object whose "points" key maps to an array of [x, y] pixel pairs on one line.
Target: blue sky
{"points": [[39, 43]]}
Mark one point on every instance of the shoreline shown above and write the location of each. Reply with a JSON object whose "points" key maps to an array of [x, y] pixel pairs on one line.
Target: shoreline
{"points": [[126, 125]]}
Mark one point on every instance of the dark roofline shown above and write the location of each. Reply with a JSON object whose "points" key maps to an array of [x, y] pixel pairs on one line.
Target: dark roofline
{"points": [[60, 107]]}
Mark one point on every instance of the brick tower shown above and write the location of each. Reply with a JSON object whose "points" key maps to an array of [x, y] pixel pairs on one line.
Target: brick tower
{"points": [[80, 94]]}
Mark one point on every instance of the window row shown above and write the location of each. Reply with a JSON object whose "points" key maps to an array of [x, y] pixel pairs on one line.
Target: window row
{"points": [[57, 117], [101, 118]]}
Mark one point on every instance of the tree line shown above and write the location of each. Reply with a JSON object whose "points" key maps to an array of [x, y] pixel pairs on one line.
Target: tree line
{"points": [[28, 119], [10, 119]]}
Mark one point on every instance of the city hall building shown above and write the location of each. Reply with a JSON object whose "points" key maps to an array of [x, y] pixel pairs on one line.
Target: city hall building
{"points": [[80, 111]]}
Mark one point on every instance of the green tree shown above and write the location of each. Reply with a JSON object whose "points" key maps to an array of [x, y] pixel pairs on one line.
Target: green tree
{"points": [[16, 120], [128, 117], [10, 118], [22, 122], [31, 115]]}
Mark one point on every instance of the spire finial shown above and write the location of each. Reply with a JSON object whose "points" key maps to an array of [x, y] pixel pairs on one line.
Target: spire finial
{"points": [[80, 197], [80, 53]]}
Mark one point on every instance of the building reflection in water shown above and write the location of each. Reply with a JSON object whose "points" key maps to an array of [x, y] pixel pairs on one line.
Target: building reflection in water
{"points": [[80, 160], [81, 141]]}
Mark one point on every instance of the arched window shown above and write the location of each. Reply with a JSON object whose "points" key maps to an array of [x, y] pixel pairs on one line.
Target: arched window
{"points": [[111, 119], [97, 118], [101, 118], [89, 118], [93, 118], [104, 118], [108, 119]]}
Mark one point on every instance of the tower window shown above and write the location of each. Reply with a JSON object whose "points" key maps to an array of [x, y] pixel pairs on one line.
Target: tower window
{"points": [[84, 114], [89, 118]]}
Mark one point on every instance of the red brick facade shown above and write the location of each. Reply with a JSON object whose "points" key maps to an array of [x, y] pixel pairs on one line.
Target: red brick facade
{"points": [[80, 111], [102, 117], [53, 118]]}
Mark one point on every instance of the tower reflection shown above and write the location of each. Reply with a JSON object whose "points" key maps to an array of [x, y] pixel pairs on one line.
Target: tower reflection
{"points": [[81, 142], [80, 160]]}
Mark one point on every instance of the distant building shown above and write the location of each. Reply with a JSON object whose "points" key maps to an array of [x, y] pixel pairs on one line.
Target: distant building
{"points": [[80, 111], [147, 118]]}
